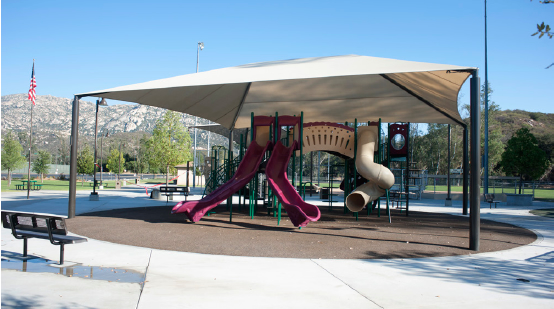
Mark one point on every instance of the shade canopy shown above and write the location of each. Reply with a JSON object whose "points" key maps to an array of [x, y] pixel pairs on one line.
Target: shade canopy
{"points": [[221, 130], [332, 89]]}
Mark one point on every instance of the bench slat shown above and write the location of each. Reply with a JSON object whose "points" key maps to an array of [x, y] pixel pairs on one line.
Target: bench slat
{"points": [[66, 239]]}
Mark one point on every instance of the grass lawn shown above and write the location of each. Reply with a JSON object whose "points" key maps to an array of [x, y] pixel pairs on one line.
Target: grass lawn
{"points": [[549, 213], [63, 185], [540, 194]]}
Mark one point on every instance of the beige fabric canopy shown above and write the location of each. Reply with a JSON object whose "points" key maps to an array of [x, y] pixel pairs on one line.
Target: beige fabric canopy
{"points": [[333, 89]]}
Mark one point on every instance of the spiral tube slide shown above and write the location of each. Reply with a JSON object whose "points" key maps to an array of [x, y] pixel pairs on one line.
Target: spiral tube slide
{"points": [[246, 170], [380, 178]]}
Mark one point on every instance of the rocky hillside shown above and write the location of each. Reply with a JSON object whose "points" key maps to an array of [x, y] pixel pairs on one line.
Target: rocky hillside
{"points": [[52, 120]]}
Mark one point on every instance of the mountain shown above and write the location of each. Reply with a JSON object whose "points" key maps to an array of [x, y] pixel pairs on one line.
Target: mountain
{"points": [[128, 122], [540, 124], [52, 120]]}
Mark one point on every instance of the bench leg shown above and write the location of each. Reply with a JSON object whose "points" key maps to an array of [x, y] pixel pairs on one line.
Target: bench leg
{"points": [[24, 246], [61, 253]]}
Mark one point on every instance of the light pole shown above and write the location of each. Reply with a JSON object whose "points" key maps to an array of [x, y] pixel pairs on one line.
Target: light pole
{"points": [[119, 164], [199, 47], [94, 194], [486, 128], [101, 157]]}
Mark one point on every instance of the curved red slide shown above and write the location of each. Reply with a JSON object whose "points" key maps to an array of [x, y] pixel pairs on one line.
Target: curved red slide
{"points": [[195, 210], [299, 212]]}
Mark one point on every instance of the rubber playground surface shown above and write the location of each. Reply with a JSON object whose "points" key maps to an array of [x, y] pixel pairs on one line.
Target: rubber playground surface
{"points": [[335, 236]]}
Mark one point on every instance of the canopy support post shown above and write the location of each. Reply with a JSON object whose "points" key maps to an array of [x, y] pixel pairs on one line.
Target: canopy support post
{"points": [[73, 158], [474, 203]]}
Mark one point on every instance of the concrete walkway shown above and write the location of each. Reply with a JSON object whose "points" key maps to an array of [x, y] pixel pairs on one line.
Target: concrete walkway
{"points": [[107, 275]]}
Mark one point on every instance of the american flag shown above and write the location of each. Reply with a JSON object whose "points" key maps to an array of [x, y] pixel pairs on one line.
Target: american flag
{"points": [[32, 93]]}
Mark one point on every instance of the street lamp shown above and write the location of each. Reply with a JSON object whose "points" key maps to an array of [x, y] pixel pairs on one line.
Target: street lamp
{"points": [[101, 157], [94, 194], [486, 127], [199, 47], [119, 164]]}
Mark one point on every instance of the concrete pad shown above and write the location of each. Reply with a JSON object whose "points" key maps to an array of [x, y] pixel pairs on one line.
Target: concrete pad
{"points": [[188, 280], [450, 282], [39, 290]]}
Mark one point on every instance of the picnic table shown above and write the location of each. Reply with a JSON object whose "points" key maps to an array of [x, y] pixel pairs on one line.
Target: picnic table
{"points": [[23, 185]]}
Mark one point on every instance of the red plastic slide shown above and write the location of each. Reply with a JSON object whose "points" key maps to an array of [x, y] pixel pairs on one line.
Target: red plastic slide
{"points": [[195, 210], [299, 212]]}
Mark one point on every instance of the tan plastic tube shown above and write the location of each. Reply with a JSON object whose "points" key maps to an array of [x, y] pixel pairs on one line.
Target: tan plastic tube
{"points": [[380, 178]]}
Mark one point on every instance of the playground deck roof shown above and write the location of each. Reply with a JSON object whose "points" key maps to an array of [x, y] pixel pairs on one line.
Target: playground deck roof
{"points": [[333, 89]]}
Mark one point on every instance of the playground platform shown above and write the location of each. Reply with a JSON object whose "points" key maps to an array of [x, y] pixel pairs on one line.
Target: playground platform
{"points": [[101, 274]]}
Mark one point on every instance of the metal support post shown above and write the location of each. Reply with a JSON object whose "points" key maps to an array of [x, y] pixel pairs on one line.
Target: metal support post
{"points": [[474, 203], [73, 158]]}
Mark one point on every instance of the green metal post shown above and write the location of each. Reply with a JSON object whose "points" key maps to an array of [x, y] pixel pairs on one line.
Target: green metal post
{"points": [[355, 156], [408, 170], [241, 155], [347, 183], [375, 159], [274, 201], [276, 137], [294, 160], [301, 137], [251, 127], [253, 181], [279, 218]]}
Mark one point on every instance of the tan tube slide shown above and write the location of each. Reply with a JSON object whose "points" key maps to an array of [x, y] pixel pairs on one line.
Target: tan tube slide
{"points": [[380, 178]]}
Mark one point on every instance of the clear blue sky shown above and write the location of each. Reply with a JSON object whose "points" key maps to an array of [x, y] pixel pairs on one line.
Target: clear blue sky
{"points": [[81, 46]]}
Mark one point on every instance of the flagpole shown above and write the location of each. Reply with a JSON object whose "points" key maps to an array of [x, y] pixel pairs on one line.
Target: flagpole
{"points": [[31, 91], [30, 147]]}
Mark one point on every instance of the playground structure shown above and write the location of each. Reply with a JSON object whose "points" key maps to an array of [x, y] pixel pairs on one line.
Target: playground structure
{"points": [[328, 89], [357, 146]]}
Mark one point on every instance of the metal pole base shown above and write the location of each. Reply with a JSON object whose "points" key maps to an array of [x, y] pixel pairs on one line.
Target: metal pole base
{"points": [[448, 202], [94, 196]]}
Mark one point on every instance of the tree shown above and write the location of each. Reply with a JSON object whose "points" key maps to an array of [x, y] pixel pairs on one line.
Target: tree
{"points": [[543, 29], [85, 161], [523, 157], [116, 161], [63, 150], [170, 143], [546, 143], [496, 147], [41, 165], [11, 154]]}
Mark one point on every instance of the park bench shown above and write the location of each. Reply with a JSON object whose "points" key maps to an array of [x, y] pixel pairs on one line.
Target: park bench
{"points": [[169, 191], [20, 187], [489, 198], [99, 183], [30, 225], [37, 187]]}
